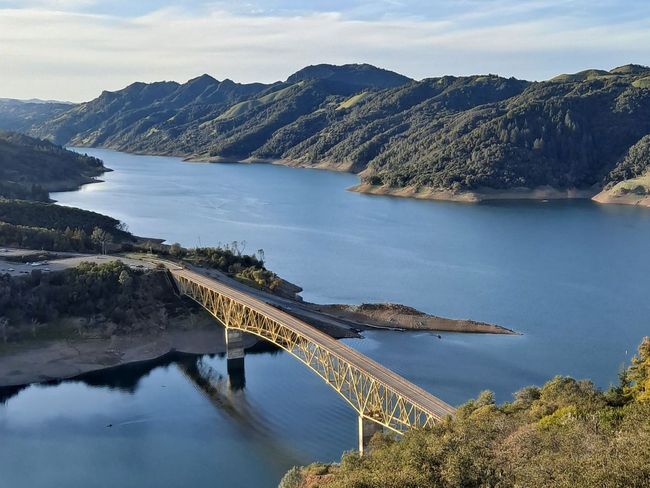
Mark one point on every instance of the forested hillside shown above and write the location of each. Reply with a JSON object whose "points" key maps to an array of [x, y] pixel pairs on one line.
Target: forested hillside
{"points": [[565, 434], [582, 130], [28, 165], [28, 169]]}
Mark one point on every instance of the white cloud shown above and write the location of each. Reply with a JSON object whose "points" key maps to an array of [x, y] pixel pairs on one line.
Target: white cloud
{"points": [[55, 54]]}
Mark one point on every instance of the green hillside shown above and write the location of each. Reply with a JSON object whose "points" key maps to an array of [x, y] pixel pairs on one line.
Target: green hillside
{"points": [[27, 163], [449, 133]]}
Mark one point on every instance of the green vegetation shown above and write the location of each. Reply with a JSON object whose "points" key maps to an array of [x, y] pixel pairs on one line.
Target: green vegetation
{"points": [[37, 225], [34, 164], [642, 83], [246, 268], [564, 434], [352, 101], [10, 190], [635, 164], [28, 220], [448, 133], [243, 107], [37, 214], [111, 298]]}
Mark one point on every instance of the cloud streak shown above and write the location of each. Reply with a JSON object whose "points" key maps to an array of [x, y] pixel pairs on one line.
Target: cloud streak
{"points": [[67, 52]]}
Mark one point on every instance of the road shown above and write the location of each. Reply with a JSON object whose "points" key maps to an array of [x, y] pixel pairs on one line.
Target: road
{"points": [[336, 327], [415, 394]]}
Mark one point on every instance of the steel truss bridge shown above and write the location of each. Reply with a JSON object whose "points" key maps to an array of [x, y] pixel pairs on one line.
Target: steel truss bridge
{"points": [[380, 397]]}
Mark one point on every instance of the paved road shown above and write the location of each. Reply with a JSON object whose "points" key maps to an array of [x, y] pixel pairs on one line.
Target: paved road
{"points": [[413, 393]]}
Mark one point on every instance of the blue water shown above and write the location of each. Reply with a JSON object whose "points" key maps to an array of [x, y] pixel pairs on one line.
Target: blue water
{"points": [[572, 277]]}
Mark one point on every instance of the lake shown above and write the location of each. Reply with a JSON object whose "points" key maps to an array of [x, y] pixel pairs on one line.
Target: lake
{"points": [[572, 277]]}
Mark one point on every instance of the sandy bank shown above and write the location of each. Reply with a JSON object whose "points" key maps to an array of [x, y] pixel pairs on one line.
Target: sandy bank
{"points": [[634, 191], [34, 362], [342, 167], [487, 194], [394, 316]]}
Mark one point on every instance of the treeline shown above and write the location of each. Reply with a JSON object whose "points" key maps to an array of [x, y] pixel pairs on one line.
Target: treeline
{"points": [[636, 162], [565, 434], [111, 297], [57, 217], [230, 259], [28, 161], [34, 192], [50, 227]]}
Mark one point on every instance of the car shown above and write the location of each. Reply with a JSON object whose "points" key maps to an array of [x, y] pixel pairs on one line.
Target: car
{"points": [[11, 270]]}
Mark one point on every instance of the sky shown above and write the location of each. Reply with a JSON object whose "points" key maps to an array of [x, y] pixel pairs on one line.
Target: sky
{"points": [[74, 49]]}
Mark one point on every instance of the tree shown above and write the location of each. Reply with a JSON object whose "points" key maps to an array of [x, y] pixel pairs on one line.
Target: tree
{"points": [[101, 238], [176, 250], [639, 372], [126, 280]]}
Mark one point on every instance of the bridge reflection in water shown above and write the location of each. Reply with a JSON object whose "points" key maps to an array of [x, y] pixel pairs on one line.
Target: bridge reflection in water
{"points": [[381, 398]]}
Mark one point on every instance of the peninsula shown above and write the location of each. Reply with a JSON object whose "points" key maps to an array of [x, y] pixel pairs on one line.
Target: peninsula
{"points": [[79, 292]]}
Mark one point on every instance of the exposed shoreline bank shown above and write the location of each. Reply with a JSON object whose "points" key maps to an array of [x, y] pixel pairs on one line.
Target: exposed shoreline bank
{"points": [[420, 193], [635, 191], [63, 352], [541, 193], [53, 360]]}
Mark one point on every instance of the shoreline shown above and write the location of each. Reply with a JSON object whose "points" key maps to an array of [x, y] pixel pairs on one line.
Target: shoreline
{"points": [[541, 193], [54, 360], [635, 191], [485, 195]]}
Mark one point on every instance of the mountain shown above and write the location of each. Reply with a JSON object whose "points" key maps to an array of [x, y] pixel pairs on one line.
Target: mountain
{"points": [[454, 135], [359, 75], [21, 115], [29, 167]]}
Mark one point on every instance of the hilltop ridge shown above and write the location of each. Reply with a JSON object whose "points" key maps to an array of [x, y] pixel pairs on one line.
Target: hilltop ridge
{"points": [[452, 137]]}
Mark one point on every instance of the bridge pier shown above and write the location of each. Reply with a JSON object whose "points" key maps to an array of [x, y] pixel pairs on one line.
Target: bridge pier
{"points": [[367, 429], [234, 344], [235, 358]]}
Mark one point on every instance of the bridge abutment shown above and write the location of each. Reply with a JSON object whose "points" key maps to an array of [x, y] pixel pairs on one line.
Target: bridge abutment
{"points": [[367, 429]]}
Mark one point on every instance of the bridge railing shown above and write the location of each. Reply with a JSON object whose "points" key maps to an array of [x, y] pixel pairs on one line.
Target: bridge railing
{"points": [[397, 409]]}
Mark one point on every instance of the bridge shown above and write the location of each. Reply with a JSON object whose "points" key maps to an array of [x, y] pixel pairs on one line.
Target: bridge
{"points": [[381, 398]]}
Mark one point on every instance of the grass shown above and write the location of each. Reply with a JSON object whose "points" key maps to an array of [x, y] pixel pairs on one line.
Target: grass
{"points": [[585, 75], [243, 107], [352, 101], [642, 83], [638, 186]]}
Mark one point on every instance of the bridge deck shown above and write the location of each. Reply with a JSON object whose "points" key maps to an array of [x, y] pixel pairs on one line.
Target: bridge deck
{"points": [[415, 394]]}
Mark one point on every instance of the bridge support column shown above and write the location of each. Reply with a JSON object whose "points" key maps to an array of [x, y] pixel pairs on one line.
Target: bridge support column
{"points": [[235, 358], [234, 344], [367, 428]]}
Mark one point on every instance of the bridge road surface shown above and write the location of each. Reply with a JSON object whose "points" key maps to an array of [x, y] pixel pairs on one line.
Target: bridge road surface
{"points": [[412, 393]]}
